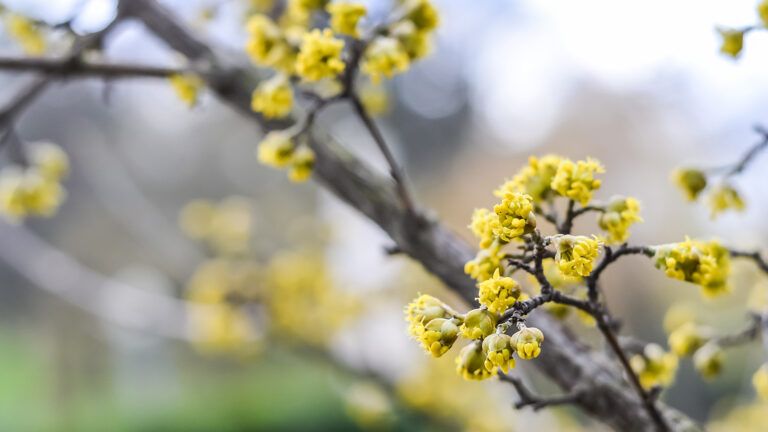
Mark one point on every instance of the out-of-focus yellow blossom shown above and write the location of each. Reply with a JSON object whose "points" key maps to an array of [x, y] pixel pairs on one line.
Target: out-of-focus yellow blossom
{"points": [[423, 15], [26, 33], [225, 226], [762, 11], [50, 160], [619, 215], [261, 6], [485, 263], [187, 87], [498, 293], [422, 310], [276, 149], [375, 99], [308, 5], [687, 338], [758, 297], [267, 46], [706, 264], [654, 367], [576, 255], [302, 301], [478, 323], [26, 192], [678, 315], [320, 56], [302, 164], [535, 179], [385, 56], [724, 197], [345, 17], [760, 382], [439, 335], [483, 224], [417, 44], [708, 360], [691, 181], [470, 363], [733, 42], [742, 418], [576, 180], [498, 352], [516, 217], [273, 98], [223, 280], [368, 405], [527, 342], [222, 328]]}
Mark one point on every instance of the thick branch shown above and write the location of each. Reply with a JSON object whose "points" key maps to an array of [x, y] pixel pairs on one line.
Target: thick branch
{"points": [[67, 68]]}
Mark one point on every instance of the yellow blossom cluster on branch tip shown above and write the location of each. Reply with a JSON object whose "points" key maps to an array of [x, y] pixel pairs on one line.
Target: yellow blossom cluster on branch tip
{"points": [[535, 179], [34, 190], [485, 264], [385, 57], [706, 264], [320, 56], [498, 293], [576, 180], [273, 98], [498, 349], [224, 226], [345, 17], [515, 217], [619, 215], [187, 87], [576, 255], [278, 150], [654, 366], [760, 382], [28, 34]]}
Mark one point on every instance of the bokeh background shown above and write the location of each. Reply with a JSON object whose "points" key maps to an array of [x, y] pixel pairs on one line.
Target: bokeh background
{"points": [[95, 333]]}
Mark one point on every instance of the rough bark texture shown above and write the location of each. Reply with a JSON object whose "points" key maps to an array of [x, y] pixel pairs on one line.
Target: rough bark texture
{"points": [[565, 360]]}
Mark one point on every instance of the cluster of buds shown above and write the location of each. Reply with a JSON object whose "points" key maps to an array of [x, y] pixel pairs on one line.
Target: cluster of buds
{"points": [[733, 38], [721, 197]]}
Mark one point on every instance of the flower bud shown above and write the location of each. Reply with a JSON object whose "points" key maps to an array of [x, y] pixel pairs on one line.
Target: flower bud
{"points": [[422, 310], [439, 335], [691, 181], [478, 323], [470, 363], [708, 360], [527, 342], [498, 352], [686, 339]]}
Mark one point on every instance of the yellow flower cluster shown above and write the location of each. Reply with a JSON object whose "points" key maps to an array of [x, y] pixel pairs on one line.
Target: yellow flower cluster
{"points": [[618, 217], [515, 216], [320, 56], [760, 382], [385, 56], [706, 264], [732, 41], [527, 342], [273, 98], [187, 87], [268, 46], [576, 255], [576, 180], [687, 338], [26, 33], [725, 197], [654, 367], [224, 226], [422, 310], [278, 150], [35, 190], [439, 335], [498, 351], [485, 263], [535, 179], [498, 293], [345, 17]]}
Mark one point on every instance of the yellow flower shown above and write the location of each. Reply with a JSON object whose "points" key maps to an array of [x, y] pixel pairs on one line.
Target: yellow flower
{"points": [[498, 293], [724, 197], [733, 42], [422, 310], [760, 381], [50, 160], [276, 149], [26, 33], [498, 352], [302, 164], [385, 56], [687, 338], [654, 367], [478, 323], [485, 263], [187, 87], [762, 11], [308, 5], [273, 98], [516, 217], [375, 99], [483, 223], [691, 181], [678, 315], [708, 360], [576, 180], [221, 328], [576, 255], [706, 264], [535, 179], [439, 335], [470, 363], [527, 342], [266, 44], [225, 226], [320, 56], [345, 17], [417, 44], [424, 16], [619, 215]]}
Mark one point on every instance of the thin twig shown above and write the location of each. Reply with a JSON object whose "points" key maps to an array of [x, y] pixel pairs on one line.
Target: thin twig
{"points": [[528, 399], [755, 256]]}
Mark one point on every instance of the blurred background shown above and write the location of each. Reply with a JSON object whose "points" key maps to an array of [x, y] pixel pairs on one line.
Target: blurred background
{"points": [[98, 322]]}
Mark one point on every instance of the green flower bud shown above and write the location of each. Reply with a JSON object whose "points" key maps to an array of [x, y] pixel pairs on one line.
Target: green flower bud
{"points": [[527, 342], [439, 335], [498, 351], [470, 363], [478, 323]]}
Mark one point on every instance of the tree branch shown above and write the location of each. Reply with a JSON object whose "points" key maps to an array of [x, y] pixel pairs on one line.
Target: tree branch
{"points": [[67, 68], [527, 398]]}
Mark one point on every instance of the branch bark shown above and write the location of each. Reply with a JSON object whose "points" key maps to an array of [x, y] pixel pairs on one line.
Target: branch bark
{"points": [[565, 360]]}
